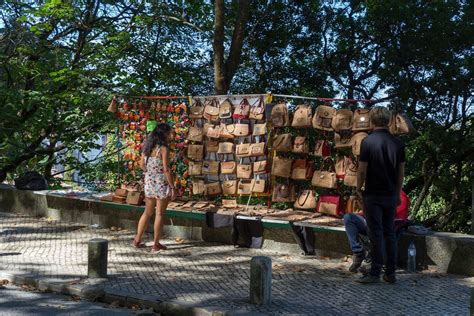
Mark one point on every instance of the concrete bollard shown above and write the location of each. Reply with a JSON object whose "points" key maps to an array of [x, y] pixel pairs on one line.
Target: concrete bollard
{"points": [[261, 280], [97, 258]]}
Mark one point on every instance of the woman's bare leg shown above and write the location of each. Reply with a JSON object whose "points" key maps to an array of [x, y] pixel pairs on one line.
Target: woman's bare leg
{"points": [[161, 205], [150, 204]]}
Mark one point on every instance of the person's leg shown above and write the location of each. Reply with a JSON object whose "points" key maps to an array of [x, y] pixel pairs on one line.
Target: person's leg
{"points": [[355, 225], [143, 222], [389, 234], [161, 205], [373, 214]]}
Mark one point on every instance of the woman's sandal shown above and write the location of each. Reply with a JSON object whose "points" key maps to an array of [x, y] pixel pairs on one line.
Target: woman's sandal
{"points": [[158, 247], [137, 244]]}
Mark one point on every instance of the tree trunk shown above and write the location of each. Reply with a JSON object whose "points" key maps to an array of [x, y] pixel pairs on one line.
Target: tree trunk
{"points": [[220, 85]]}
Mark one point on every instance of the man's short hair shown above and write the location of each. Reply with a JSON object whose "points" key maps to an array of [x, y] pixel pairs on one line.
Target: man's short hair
{"points": [[380, 116]]}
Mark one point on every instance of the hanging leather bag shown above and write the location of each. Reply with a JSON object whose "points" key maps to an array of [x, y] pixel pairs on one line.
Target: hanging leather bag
{"points": [[282, 143], [306, 200], [341, 164], [342, 139], [322, 148], [226, 131], [257, 111], [213, 188], [228, 167], [400, 124], [330, 205], [350, 178], [325, 177], [281, 167], [283, 193], [260, 167], [356, 141], [195, 152], [354, 205], [244, 171], [302, 116], [225, 109], [212, 146], [211, 110], [302, 169], [195, 134], [196, 110], [229, 187], [322, 119], [361, 120], [258, 185], [195, 168], [226, 148], [210, 167], [279, 116], [213, 131], [199, 187], [342, 121], [242, 110], [257, 149], [242, 150], [206, 127], [241, 130], [300, 145], [259, 129], [244, 187]]}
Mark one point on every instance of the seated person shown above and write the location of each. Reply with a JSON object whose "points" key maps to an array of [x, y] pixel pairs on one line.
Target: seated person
{"points": [[355, 224]]}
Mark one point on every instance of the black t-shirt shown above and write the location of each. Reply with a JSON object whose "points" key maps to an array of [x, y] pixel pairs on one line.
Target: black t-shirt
{"points": [[383, 153]]}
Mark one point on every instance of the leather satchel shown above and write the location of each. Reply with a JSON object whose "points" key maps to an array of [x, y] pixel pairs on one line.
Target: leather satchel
{"points": [[195, 152], [195, 134], [229, 187], [302, 169], [210, 167], [401, 124], [362, 120], [350, 178], [306, 200], [322, 148], [228, 167], [356, 141], [227, 130], [259, 129], [213, 188], [343, 139], [225, 109], [211, 110], [283, 193], [213, 131], [258, 185], [279, 116], [241, 130], [226, 148], [300, 145], [342, 121], [281, 167], [242, 150], [257, 149], [244, 171], [325, 177], [322, 119], [242, 110], [302, 116], [330, 205], [244, 187], [199, 187], [260, 167], [212, 146], [196, 110], [282, 143], [257, 112], [195, 168]]}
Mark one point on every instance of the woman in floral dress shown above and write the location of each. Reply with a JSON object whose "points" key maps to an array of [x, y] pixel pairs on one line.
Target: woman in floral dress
{"points": [[159, 184]]}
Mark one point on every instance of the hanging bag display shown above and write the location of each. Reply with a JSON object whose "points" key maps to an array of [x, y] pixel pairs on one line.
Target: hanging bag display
{"points": [[211, 110], [300, 145], [228, 167], [302, 116], [342, 121], [212, 146], [257, 111], [259, 129], [282, 143], [322, 148], [242, 110], [210, 167], [196, 110], [229, 187], [198, 187], [342, 139], [279, 116], [325, 177], [330, 205], [195, 152], [213, 188], [260, 167], [195, 134], [350, 178], [244, 171], [226, 148], [356, 141], [283, 193], [242, 150], [362, 120], [322, 119], [244, 187], [195, 168], [258, 186], [306, 200], [281, 167], [241, 130], [302, 169], [257, 149], [225, 109]]}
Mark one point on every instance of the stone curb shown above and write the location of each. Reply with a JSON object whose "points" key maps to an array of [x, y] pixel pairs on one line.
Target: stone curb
{"points": [[102, 294]]}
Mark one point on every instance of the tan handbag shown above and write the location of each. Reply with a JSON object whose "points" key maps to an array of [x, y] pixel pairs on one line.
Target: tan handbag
{"points": [[302, 116], [211, 110], [213, 132], [260, 167], [242, 110], [279, 116], [361, 120], [242, 150], [210, 167], [195, 152], [226, 131], [195, 168], [354, 205], [283, 193], [244, 187], [356, 141], [244, 171], [228, 167], [300, 145], [343, 140], [195, 134], [226, 148], [196, 110], [282, 142], [281, 167], [225, 109], [212, 146], [258, 185], [323, 117], [350, 177], [325, 177], [257, 112], [302, 169], [257, 149], [342, 121], [401, 124], [213, 188], [206, 127], [241, 130], [341, 164], [199, 187], [306, 200], [135, 198], [322, 148], [229, 187], [259, 129]]}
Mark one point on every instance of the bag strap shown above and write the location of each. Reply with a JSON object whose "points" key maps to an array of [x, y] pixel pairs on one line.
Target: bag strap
{"points": [[308, 192]]}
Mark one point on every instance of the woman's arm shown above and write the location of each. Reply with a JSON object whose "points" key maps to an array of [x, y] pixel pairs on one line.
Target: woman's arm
{"points": [[167, 170], [142, 163]]}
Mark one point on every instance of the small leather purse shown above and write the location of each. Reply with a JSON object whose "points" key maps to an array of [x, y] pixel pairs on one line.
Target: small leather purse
{"points": [[241, 130], [226, 148], [281, 167], [260, 167], [196, 110], [213, 188], [356, 141], [225, 109], [306, 200], [211, 110], [283, 193], [302, 116], [259, 129], [258, 185], [244, 171], [195, 168], [228, 167], [212, 146], [257, 112], [257, 149], [330, 205], [195, 134], [229, 187], [282, 143], [244, 187], [242, 110], [210, 167], [300, 145], [322, 148], [198, 187], [342, 121], [279, 116], [322, 119], [195, 152], [362, 120], [242, 150], [325, 177]]}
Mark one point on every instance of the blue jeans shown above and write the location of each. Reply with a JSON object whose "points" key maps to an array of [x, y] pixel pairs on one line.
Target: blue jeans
{"points": [[380, 215], [355, 225]]}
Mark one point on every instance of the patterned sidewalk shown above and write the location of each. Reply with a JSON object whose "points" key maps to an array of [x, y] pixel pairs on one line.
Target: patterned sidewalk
{"points": [[205, 274]]}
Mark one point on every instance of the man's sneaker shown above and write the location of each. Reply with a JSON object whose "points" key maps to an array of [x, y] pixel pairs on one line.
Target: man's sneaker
{"points": [[368, 279], [357, 259], [389, 278]]}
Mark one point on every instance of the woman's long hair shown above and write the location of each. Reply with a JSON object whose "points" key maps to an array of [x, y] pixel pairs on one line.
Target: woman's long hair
{"points": [[159, 137]]}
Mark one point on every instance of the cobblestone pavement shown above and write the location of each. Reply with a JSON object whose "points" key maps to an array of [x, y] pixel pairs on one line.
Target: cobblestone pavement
{"points": [[218, 275]]}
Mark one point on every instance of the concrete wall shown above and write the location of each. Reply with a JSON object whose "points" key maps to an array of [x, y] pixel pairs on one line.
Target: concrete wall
{"points": [[445, 252]]}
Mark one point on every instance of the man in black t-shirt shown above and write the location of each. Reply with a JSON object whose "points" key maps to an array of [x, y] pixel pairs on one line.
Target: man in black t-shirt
{"points": [[381, 168]]}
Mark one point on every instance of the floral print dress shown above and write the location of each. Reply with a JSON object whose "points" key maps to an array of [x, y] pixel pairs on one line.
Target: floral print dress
{"points": [[156, 185]]}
